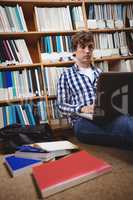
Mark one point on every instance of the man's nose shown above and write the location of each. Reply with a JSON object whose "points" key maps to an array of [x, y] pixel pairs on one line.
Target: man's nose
{"points": [[87, 49]]}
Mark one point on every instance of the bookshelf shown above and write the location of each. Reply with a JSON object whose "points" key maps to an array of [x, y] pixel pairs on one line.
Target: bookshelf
{"points": [[43, 37]]}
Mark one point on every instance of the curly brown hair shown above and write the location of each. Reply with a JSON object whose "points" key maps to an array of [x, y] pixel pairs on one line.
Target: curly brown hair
{"points": [[83, 38]]}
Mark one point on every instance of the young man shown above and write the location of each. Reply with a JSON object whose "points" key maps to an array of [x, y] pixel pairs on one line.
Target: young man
{"points": [[77, 93]]}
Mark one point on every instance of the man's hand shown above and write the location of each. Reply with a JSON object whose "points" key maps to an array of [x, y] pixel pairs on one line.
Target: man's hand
{"points": [[88, 109]]}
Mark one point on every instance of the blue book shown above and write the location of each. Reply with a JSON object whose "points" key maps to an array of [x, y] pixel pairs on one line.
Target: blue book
{"points": [[47, 43], [91, 12], [28, 148], [14, 114], [20, 115], [30, 115], [17, 165], [58, 43], [18, 17], [4, 115]]}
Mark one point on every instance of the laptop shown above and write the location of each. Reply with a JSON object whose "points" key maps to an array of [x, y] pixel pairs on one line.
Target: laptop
{"points": [[114, 96]]}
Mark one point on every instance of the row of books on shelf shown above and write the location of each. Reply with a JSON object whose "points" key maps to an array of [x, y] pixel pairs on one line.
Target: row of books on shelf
{"points": [[52, 74], [109, 15], [120, 66], [12, 19], [98, 16], [52, 165], [14, 52], [58, 48], [68, 17], [109, 44], [65, 18], [31, 113], [26, 83], [24, 114], [20, 84]]}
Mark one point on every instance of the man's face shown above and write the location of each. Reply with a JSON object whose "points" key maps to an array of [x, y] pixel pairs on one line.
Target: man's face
{"points": [[84, 53]]}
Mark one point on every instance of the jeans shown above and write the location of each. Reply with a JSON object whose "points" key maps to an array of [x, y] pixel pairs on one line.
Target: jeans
{"points": [[116, 132]]}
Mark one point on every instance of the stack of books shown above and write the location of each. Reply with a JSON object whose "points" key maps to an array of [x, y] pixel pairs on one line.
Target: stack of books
{"points": [[28, 156], [54, 175]]}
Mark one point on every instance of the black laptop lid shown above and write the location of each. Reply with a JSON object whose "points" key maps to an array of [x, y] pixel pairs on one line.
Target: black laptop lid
{"points": [[114, 94]]}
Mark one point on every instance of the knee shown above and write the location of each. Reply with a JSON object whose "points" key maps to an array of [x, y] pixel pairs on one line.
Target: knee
{"points": [[125, 124], [122, 121]]}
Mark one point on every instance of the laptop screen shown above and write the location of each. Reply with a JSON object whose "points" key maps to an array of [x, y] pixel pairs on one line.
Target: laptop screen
{"points": [[114, 94]]}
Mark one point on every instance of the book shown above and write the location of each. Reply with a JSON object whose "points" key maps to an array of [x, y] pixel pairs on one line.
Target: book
{"points": [[69, 171], [56, 145], [17, 165], [27, 151]]}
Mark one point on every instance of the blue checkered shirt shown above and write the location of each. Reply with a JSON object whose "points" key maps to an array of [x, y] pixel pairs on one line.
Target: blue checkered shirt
{"points": [[75, 90]]}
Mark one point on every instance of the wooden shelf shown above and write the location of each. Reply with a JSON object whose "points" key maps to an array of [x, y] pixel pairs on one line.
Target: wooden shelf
{"points": [[67, 64], [21, 100], [19, 66], [59, 64], [108, 1], [111, 30], [113, 58], [41, 2], [33, 35]]}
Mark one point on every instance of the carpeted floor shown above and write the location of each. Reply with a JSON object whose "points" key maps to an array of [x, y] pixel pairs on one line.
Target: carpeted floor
{"points": [[117, 185]]}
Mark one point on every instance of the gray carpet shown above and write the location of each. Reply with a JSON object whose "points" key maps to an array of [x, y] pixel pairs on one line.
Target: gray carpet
{"points": [[117, 185]]}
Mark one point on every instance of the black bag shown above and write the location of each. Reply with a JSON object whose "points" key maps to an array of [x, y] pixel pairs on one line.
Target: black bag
{"points": [[15, 135]]}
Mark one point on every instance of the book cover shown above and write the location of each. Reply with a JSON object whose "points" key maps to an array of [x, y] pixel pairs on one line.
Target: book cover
{"points": [[17, 165], [38, 153], [67, 172], [56, 145], [26, 151]]}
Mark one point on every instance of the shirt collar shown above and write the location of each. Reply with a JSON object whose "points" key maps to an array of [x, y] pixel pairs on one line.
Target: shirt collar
{"points": [[75, 67]]}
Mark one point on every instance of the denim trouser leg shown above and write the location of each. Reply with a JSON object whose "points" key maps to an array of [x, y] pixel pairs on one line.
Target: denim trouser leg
{"points": [[118, 132]]}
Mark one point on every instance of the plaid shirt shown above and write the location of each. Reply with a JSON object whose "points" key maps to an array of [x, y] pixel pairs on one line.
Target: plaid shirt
{"points": [[76, 90]]}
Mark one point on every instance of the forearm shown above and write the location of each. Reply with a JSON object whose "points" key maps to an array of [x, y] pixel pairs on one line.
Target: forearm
{"points": [[68, 109]]}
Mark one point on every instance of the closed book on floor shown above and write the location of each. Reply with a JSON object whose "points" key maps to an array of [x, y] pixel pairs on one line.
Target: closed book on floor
{"points": [[56, 145], [34, 155], [27, 151], [18, 165], [68, 171]]}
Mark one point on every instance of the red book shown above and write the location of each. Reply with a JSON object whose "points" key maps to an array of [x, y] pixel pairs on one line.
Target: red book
{"points": [[66, 172]]}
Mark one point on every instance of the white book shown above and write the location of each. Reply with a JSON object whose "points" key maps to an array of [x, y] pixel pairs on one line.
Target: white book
{"points": [[82, 25], [92, 23], [1, 118], [15, 74], [25, 83], [1, 24], [69, 18], [26, 118], [22, 18], [14, 19], [56, 145], [100, 24], [4, 19], [37, 18]]}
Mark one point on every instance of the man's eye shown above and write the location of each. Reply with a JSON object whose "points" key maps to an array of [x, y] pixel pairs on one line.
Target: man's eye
{"points": [[83, 46], [90, 47]]}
